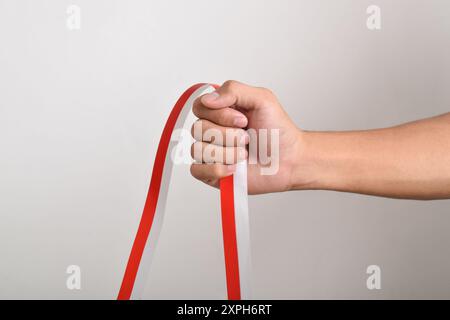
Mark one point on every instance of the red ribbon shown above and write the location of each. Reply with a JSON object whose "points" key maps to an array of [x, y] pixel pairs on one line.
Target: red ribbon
{"points": [[145, 225]]}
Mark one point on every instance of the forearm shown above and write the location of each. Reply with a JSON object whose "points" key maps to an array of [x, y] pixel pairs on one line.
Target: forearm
{"points": [[407, 161]]}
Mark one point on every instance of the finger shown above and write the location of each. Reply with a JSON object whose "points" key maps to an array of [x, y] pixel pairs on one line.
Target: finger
{"points": [[211, 173], [210, 153], [207, 131], [236, 94], [226, 117]]}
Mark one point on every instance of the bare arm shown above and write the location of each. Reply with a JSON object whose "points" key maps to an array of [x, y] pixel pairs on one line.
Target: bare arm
{"points": [[406, 161]]}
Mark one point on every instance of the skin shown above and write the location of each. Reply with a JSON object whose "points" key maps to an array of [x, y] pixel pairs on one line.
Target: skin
{"points": [[409, 161]]}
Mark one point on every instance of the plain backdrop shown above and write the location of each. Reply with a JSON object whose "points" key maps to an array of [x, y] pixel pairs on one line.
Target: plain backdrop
{"points": [[81, 112]]}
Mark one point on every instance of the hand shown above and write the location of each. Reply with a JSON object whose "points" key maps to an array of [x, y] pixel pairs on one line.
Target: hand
{"points": [[232, 109], [406, 161]]}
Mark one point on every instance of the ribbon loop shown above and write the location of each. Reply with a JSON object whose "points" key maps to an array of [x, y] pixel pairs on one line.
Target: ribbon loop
{"points": [[233, 190]]}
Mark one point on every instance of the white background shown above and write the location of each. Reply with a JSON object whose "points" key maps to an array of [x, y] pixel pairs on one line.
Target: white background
{"points": [[81, 113]]}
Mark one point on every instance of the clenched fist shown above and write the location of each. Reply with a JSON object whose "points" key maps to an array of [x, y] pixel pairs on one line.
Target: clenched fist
{"points": [[245, 114]]}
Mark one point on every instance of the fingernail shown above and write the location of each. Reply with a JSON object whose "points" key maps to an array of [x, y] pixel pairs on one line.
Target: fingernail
{"points": [[240, 122], [210, 97], [231, 168]]}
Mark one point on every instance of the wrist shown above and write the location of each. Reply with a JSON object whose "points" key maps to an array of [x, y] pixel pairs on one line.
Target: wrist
{"points": [[312, 167]]}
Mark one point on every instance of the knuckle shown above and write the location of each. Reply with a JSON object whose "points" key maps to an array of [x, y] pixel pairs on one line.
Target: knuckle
{"points": [[267, 93], [230, 85]]}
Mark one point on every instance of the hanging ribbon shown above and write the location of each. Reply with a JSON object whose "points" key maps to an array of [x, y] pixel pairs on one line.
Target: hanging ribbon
{"points": [[234, 206]]}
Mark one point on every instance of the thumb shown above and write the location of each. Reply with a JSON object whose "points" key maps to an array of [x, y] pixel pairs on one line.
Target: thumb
{"points": [[233, 94]]}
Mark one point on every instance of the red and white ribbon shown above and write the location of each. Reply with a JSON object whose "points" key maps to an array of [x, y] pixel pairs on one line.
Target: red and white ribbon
{"points": [[234, 206]]}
